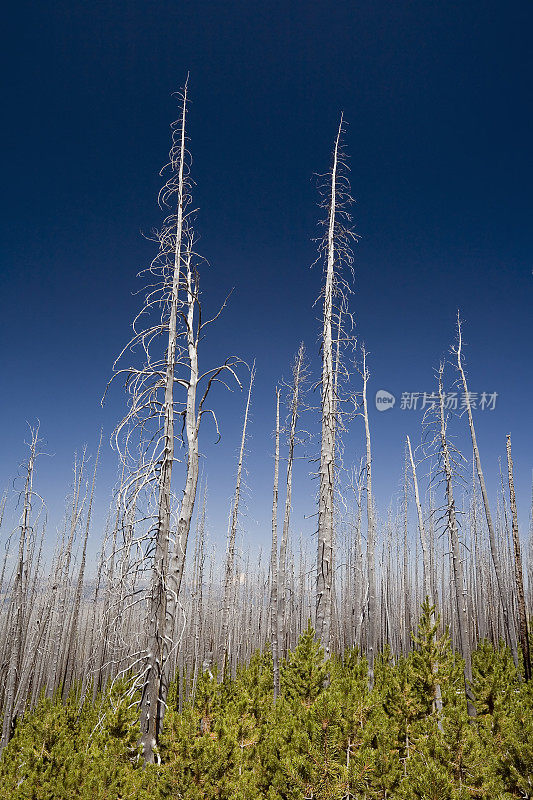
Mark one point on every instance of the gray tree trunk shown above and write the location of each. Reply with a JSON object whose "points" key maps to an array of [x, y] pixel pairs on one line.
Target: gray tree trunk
{"points": [[524, 638], [274, 560], [507, 615], [457, 564], [326, 496]]}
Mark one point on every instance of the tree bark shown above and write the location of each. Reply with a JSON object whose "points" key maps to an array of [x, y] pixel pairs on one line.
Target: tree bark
{"points": [[327, 452]]}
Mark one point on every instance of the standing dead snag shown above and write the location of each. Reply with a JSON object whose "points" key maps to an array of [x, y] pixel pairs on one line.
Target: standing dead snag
{"points": [[371, 535], [336, 248], [457, 564], [274, 560], [153, 690], [232, 536], [428, 595], [406, 616], [524, 638], [16, 611], [507, 613], [146, 437], [299, 376], [70, 648]]}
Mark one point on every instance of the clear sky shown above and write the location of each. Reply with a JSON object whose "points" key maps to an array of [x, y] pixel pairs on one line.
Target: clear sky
{"points": [[437, 97]]}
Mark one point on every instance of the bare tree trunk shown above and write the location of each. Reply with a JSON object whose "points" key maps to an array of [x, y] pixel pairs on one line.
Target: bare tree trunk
{"points": [[406, 589], [457, 564], [152, 700], [371, 538], [360, 602], [199, 577], [71, 641], [327, 452], [17, 602], [507, 615], [103, 644], [530, 553], [298, 375], [192, 425], [427, 572], [274, 560], [524, 638], [232, 535], [61, 632]]}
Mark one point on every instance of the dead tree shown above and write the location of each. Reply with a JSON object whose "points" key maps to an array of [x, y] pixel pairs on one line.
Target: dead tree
{"points": [[335, 247], [524, 638], [359, 601], [299, 375], [274, 560], [16, 612], [507, 614], [465, 642], [426, 571], [229, 585], [406, 621], [371, 534], [198, 592], [60, 629], [73, 627], [165, 388]]}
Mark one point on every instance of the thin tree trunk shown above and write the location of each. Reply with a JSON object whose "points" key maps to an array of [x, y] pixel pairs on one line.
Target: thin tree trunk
{"points": [[224, 647], [524, 639], [371, 538], [16, 615], [457, 564], [192, 424], [274, 560], [427, 572], [507, 615], [283, 627], [406, 589], [69, 667]]}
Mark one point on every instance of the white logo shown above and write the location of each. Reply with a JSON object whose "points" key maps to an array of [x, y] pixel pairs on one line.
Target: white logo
{"points": [[384, 400]]}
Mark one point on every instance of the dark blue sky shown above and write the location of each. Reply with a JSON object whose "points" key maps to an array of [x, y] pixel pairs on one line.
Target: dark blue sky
{"points": [[438, 101]]}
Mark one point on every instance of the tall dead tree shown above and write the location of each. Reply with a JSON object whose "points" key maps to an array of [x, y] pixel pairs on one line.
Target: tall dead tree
{"points": [[73, 626], [16, 611], [426, 570], [167, 387], [524, 638], [507, 613], [371, 534], [153, 690], [406, 621], [335, 247], [274, 559], [298, 375], [465, 642], [229, 578]]}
